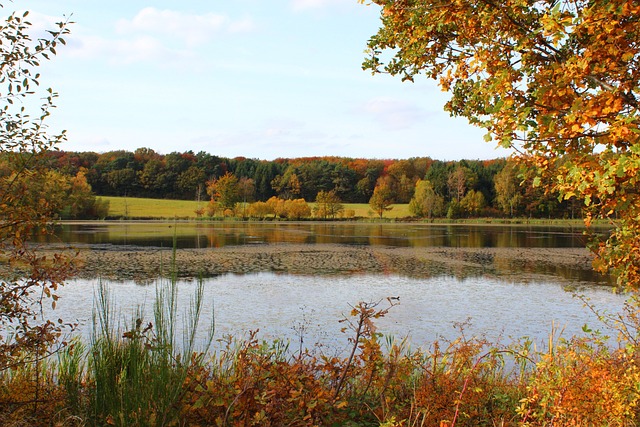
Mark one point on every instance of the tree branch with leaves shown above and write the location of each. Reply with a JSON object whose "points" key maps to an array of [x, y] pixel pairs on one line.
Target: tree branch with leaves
{"points": [[32, 278], [558, 81]]}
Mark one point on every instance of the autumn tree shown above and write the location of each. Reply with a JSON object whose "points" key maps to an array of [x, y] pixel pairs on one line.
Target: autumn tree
{"points": [[402, 177], [328, 204], [381, 200], [288, 186], [29, 279], [507, 186], [457, 183], [246, 193], [473, 202], [556, 80], [224, 191], [426, 202], [66, 197]]}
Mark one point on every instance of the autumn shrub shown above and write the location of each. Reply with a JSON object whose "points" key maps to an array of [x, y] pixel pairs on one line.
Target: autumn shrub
{"points": [[29, 395], [260, 210], [348, 214], [212, 208], [257, 383], [277, 206], [135, 376], [296, 209], [582, 382], [463, 383]]}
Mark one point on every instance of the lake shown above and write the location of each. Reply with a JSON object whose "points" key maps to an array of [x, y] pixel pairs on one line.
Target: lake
{"points": [[219, 234], [283, 305]]}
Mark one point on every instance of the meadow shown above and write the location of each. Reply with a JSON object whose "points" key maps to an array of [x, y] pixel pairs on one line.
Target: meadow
{"points": [[140, 208], [168, 209]]}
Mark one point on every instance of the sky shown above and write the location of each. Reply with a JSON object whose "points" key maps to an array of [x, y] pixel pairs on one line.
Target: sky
{"points": [[252, 78]]}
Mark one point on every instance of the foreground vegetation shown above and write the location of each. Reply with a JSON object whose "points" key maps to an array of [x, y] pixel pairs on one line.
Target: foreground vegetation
{"points": [[142, 374]]}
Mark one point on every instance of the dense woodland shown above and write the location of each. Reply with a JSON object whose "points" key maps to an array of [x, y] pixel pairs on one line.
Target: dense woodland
{"points": [[466, 188]]}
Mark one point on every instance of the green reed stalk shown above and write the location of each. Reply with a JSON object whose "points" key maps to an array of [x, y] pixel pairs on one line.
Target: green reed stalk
{"points": [[71, 370], [138, 373]]}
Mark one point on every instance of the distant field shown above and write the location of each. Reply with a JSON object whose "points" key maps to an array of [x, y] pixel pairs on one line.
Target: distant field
{"points": [[136, 208], [130, 207]]}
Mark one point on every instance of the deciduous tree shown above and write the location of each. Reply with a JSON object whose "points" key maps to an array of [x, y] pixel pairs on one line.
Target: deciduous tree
{"points": [[224, 191], [457, 183], [426, 202], [328, 204], [381, 200], [507, 188], [473, 202]]}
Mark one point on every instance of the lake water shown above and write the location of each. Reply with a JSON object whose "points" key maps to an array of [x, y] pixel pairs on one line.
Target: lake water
{"points": [[281, 305], [218, 234]]}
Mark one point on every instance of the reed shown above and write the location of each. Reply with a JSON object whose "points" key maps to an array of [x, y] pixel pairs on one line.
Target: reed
{"points": [[136, 370]]}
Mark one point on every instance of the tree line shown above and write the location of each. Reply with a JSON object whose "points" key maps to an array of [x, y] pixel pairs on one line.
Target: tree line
{"points": [[244, 186]]}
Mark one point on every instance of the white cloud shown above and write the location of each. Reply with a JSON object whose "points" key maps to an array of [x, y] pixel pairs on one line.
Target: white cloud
{"points": [[125, 51], [191, 28], [152, 35], [393, 114]]}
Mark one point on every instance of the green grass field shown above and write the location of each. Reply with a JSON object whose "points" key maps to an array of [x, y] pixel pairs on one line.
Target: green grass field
{"points": [[158, 209], [130, 207]]}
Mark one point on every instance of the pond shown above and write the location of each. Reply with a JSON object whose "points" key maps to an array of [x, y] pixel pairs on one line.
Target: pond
{"points": [[289, 306]]}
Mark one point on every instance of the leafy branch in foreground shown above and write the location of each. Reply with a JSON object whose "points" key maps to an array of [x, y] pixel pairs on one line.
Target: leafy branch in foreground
{"points": [[558, 81], [32, 279]]}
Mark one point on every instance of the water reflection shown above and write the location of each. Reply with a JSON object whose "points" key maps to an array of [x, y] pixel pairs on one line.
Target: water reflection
{"points": [[212, 235], [278, 303]]}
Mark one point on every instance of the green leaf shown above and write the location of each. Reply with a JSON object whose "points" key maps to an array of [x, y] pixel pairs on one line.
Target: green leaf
{"points": [[537, 181]]}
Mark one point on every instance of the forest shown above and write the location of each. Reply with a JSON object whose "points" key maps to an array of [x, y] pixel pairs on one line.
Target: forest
{"points": [[433, 188]]}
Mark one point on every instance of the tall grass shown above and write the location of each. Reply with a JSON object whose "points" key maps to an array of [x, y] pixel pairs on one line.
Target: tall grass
{"points": [[137, 371]]}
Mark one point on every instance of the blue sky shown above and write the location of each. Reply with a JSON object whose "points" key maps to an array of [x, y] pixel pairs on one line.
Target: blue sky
{"points": [[253, 78]]}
